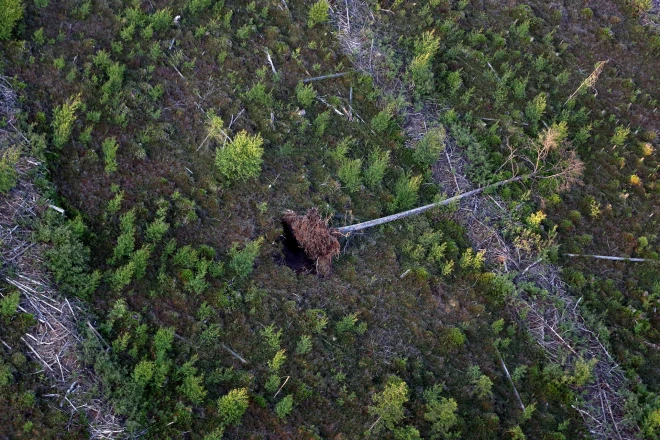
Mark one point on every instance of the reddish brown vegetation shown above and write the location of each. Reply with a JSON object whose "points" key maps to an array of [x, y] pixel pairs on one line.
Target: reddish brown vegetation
{"points": [[314, 236]]}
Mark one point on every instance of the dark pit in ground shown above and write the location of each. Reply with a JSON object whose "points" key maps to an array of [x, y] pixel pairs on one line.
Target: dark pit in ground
{"points": [[292, 254]]}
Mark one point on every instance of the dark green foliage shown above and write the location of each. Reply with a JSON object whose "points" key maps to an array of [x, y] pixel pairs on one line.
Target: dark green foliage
{"points": [[11, 11], [441, 412], [376, 166], [305, 94], [9, 304], [242, 261], [428, 149], [67, 257], [63, 118], [8, 176], [406, 193]]}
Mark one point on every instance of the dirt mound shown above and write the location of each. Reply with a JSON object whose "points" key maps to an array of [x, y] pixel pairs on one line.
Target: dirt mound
{"points": [[314, 236]]}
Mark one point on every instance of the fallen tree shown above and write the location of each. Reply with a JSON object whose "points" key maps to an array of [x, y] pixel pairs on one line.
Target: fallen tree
{"points": [[320, 242]]}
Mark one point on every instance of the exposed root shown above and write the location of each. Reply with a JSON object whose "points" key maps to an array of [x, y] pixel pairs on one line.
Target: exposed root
{"points": [[314, 236]]}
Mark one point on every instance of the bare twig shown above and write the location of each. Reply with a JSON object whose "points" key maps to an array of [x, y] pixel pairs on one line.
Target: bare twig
{"points": [[278, 391], [321, 78], [270, 61], [233, 353]]}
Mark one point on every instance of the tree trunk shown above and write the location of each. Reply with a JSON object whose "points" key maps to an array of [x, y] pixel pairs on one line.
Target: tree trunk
{"points": [[607, 257], [400, 215]]}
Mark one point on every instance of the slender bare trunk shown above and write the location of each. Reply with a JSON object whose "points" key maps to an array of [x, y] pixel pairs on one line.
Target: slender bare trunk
{"points": [[607, 257], [400, 215]]}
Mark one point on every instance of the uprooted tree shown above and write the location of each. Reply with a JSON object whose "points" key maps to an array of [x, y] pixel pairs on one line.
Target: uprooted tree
{"points": [[549, 157]]}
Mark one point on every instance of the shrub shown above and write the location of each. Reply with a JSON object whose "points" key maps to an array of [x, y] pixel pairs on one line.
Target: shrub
{"points": [[347, 323], [405, 192], [199, 5], [284, 407], [482, 385], [8, 176], [321, 123], [156, 230], [242, 261], [640, 7], [63, 118], [68, 258], [651, 424], [304, 345], [143, 373], [273, 338], [240, 159], [9, 304], [110, 148], [377, 164], [388, 405], [422, 75], [454, 337], [276, 363], [454, 81], [428, 149], [441, 412], [112, 87], [233, 405], [587, 13], [349, 174], [260, 96], [161, 20], [535, 109], [272, 383], [318, 13], [620, 136], [11, 11], [381, 122], [305, 94], [122, 276], [126, 239], [140, 260], [519, 86]]}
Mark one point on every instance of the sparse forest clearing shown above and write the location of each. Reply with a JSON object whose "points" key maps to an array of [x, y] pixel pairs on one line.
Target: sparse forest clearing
{"points": [[479, 255]]}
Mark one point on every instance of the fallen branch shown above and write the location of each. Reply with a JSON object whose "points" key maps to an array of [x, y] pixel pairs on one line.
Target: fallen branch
{"points": [[608, 257], [321, 78], [270, 61], [513, 385], [419, 210], [233, 353], [590, 81]]}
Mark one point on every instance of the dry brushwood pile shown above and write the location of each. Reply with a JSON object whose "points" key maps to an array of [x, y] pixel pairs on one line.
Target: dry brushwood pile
{"points": [[319, 242]]}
